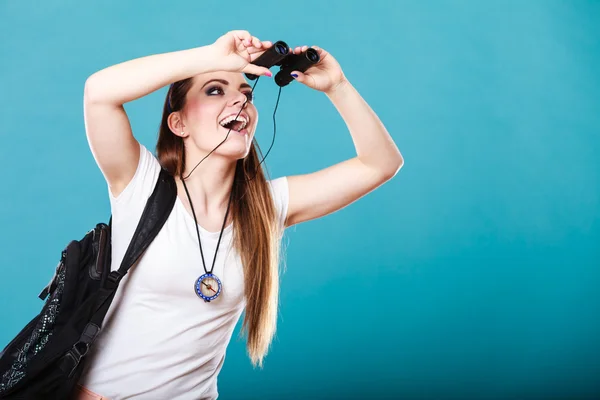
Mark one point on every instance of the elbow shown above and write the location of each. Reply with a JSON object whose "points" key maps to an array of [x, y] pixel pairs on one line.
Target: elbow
{"points": [[393, 168], [95, 91], [396, 170], [90, 90]]}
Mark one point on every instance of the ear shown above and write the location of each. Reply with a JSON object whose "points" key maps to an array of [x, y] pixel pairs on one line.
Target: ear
{"points": [[176, 124]]}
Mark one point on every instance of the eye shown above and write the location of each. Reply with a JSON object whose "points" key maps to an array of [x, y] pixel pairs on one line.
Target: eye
{"points": [[213, 89]]}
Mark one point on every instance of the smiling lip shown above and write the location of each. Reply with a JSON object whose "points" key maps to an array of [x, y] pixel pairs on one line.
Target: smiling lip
{"points": [[243, 132], [235, 114]]}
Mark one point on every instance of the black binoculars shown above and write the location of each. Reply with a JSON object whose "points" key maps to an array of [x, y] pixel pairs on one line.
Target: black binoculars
{"points": [[279, 54]]}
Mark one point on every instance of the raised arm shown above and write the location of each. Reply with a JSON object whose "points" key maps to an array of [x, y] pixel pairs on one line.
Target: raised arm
{"points": [[107, 126], [377, 160]]}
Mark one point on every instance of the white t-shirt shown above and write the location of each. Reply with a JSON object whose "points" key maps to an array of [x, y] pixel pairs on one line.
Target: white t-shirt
{"points": [[159, 339]]}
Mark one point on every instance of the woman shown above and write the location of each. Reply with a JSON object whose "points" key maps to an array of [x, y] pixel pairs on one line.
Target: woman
{"points": [[217, 255]]}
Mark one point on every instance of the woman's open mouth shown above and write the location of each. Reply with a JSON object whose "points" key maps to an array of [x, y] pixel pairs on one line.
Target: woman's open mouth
{"points": [[236, 124]]}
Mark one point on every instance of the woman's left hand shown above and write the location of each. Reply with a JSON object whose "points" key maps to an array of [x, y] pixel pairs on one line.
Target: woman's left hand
{"points": [[324, 76]]}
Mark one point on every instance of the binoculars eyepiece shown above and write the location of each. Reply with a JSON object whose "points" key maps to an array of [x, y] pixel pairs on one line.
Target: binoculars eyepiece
{"points": [[279, 54]]}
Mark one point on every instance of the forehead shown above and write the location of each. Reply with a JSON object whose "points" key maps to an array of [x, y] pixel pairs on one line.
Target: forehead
{"points": [[233, 79]]}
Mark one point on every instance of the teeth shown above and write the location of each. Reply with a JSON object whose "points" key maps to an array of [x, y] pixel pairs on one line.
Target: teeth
{"points": [[231, 118]]}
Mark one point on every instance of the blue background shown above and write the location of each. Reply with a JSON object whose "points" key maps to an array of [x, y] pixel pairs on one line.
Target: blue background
{"points": [[473, 274]]}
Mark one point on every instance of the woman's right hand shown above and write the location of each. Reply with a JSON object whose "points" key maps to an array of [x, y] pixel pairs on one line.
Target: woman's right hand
{"points": [[235, 51]]}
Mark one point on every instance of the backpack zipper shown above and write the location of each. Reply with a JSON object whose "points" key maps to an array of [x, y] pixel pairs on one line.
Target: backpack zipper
{"points": [[99, 264]]}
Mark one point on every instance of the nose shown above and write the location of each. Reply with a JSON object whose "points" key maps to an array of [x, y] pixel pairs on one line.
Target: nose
{"points": [[238, 99]]}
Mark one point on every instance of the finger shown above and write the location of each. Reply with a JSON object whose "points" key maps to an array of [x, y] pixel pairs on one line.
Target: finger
{"points": [[319, 50], [322, 53], [255, 55], [242, 35], [256, 43], [256, 70], [254, 50], [304, 48], [256, 46], [246, 38], [266, 44], [299, 76]]}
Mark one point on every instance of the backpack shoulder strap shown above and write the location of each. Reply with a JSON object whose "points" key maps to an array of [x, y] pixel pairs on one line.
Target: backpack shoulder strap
{"points": [[155, 214]]}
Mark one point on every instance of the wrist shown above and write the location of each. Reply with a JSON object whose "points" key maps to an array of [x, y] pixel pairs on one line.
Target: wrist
{"points": [[205, 59], [339, 89]]}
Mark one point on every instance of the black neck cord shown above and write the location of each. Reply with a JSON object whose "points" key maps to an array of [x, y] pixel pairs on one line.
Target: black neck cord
{"points": [[274, 132], [231, 193], [198, 231]]}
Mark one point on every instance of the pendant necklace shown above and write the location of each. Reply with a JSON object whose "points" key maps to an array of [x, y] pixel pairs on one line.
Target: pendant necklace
{"points": [[208, 286]]}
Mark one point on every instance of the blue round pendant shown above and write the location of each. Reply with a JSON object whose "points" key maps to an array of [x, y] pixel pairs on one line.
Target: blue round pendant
{"points": [[208, 287]]}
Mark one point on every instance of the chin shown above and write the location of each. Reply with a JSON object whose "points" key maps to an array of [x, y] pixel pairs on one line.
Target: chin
{"points": [[234, 153]]}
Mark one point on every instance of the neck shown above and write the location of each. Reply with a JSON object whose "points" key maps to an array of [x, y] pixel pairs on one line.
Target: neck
{"points": [[210, 184]]}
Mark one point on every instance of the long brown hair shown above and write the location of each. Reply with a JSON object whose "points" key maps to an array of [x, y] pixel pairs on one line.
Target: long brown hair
{"points": [[256, 233]]}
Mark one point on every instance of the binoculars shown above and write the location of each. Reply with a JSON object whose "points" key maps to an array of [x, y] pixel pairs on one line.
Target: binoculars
{"points": [[279, 54]]}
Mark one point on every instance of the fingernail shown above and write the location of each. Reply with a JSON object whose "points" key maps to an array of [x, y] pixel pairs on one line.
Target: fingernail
{"points": [[295, 75], [269, 74]]}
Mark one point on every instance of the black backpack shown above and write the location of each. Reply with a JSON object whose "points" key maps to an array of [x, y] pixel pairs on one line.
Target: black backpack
{"points": [[46, 359]]}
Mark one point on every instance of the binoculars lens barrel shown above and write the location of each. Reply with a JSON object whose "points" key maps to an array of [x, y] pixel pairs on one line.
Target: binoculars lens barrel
{"points": [[281, 48], [271, 57], [296, 62]]}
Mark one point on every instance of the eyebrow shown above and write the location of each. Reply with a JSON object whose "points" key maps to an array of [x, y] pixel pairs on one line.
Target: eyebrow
{"points": [[224, 82]]}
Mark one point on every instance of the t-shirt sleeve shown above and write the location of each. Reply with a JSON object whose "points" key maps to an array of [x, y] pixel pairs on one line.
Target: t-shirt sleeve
{"points": [[128, 206], [280, 192], [131, 201]]}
